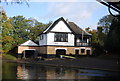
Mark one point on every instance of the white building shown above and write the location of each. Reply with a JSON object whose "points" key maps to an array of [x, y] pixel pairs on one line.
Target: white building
{"points": [[60, 38], [63, 37]]}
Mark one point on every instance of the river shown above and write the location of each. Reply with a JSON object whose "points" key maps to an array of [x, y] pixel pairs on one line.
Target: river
{"points": [[37, 71]]}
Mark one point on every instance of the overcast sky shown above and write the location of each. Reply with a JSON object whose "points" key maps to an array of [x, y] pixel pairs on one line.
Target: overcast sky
{"points": [[84, 13]]}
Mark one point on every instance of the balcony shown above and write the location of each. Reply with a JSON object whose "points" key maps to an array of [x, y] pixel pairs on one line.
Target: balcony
{"points": [[83, 44]]}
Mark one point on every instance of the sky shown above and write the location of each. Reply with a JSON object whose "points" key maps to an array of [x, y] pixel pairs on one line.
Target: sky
{"points": [[85, 13]]}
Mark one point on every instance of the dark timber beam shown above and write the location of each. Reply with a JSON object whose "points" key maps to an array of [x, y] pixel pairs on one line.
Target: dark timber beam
{"points": [[110, 5]]}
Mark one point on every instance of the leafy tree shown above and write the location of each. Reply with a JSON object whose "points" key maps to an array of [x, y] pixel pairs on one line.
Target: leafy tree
{"points": [[97, 40], [103, 29], [6, 32], [109, 35], [113, 39], [18, 29], [105, 23], [94, 35], [101, 36], [97, 49], [87, 29], [36, 28]]}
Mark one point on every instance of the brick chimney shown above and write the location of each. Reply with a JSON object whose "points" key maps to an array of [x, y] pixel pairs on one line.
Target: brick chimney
{"points": [[67, 21]]}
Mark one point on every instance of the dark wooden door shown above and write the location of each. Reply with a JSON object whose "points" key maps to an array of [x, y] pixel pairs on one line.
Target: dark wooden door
{"points": [[88, 52], [76, 52]]}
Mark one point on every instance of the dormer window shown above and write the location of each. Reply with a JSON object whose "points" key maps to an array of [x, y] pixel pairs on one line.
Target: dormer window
{"points": [[61, 37]]}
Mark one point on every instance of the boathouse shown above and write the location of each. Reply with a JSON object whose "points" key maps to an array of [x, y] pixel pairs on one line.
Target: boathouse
{"points": [[60, 38], [64, 38], [28, 49]]}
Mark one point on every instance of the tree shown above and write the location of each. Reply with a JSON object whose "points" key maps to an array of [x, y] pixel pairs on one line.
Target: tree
{"points": [[105, 23], [20, 31], [103, 29], [6, 33], [36, 28], [112, 43], [94, 34], [87, 29], [16, 30], [16, 2], [110, 36], [101, 36]]}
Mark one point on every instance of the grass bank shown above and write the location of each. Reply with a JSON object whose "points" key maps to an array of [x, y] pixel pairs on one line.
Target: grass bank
{"points": [[8, 57]]}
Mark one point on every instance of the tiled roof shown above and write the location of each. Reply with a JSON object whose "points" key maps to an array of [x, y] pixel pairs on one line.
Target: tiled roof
{"points": [[77, 29], [71, 25]]}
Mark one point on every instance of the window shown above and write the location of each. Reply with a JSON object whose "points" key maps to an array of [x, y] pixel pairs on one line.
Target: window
{"points": [[41, 37], [82, 50], [61, 37], [84, 40]]}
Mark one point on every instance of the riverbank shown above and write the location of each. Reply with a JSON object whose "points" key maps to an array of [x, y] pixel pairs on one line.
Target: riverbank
{"points": [[82, 62], [8, 57]]}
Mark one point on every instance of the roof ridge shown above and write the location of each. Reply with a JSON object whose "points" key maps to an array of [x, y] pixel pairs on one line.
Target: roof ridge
{"points": [[71, 25], [44, 31], [29, 43]]}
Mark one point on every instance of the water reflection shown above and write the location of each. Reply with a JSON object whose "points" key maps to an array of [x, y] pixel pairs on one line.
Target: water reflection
{"points": [[26, 71], [34, 71]]}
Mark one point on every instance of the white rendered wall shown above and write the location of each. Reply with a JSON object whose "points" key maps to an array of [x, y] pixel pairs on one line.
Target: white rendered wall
{"points": [[44, 40], [50, 40], [61, 27]]}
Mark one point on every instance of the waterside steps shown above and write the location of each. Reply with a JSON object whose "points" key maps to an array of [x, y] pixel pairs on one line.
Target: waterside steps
{"points": [[65, 56]]}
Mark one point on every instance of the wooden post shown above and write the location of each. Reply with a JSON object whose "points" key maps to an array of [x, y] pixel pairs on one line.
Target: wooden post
{"points": [[24, 54], [82, 37]]}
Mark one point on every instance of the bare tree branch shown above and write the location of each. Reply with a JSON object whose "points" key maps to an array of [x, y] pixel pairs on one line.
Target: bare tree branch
{"points": [[16, 2]]}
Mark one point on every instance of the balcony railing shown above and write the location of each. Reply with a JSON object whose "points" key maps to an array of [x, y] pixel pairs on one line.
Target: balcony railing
{"points": [[83, 44]]}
